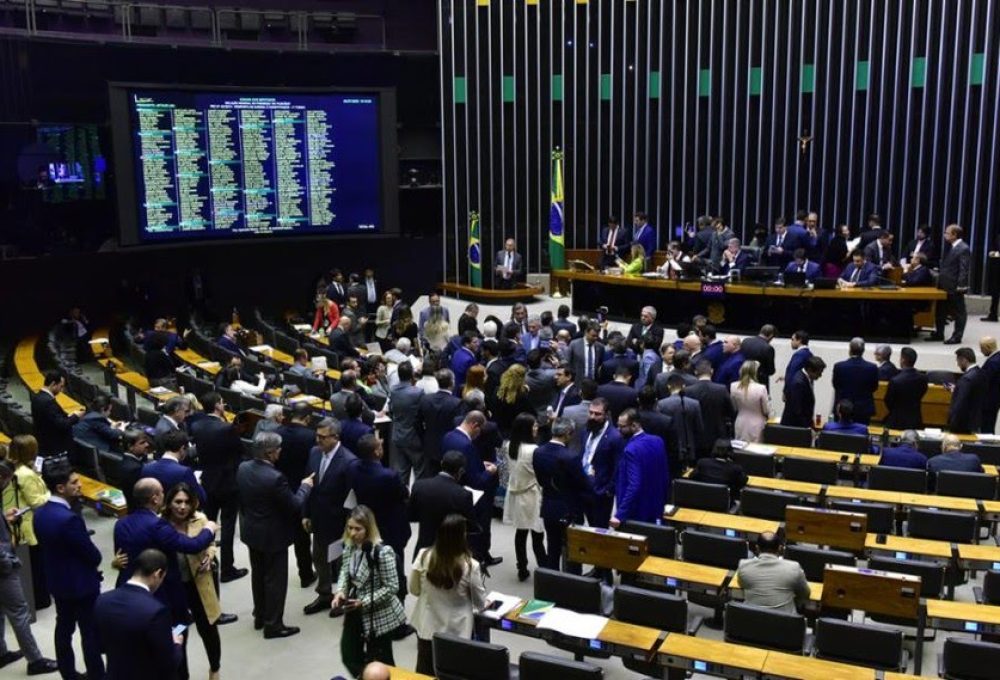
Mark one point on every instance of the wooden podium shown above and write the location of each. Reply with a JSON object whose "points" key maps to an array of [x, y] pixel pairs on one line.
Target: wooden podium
{"points": [[833, 528], [606, 548]]}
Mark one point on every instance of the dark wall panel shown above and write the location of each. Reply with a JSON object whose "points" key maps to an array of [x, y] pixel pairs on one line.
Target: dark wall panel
{"points": [[687, 107]]}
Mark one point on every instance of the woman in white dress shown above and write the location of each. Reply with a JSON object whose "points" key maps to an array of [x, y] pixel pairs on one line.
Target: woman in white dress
{"points": [[523, 504], [751, 403]]}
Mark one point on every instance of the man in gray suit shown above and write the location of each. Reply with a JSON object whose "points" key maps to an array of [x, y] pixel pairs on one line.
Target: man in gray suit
{"points": [[406, 454], [175, 410], [348, 386], [586, 354], [578, 412], [953, 278], [770, 581], [507, 265]]}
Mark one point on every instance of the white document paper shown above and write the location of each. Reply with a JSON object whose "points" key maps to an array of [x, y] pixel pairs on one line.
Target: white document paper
{"points": [[507, 603], [476, 494], [318, 363], [158, 390], [988, 437], [351, 501], [762, 449], [261, 348], [568, 622], [303, 327], [335, 550]]}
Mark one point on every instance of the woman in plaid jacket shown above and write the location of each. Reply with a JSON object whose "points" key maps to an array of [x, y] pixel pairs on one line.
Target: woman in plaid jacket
{"points": [[367, 590]]}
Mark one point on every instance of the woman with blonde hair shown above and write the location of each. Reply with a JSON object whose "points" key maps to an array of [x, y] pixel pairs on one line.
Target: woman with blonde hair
{"points": [[751, 403], [449, 588], [27, 490], [637, 261], [367, 591], [436, 330], [511, 398], [383, 317]]}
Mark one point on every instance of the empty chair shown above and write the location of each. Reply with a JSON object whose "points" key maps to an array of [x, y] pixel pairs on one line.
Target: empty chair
{"points": [[964, 659], [249, 403], [888, 478], [200, 387], [317, 387], [881, 516], [989, 454], [967, 484], [814, 560], [837, 441], [941, 525], [760, 627], [86, 459], [651, 609], [701, 495], [660, 540], [713, 549], [535, 666], [990, 592], [579, 593], [783, 435], [147, 417], [457, 658], [767, 504], [931, 573], [755, 464], [929, 447], [860, 644], [809, 470]]}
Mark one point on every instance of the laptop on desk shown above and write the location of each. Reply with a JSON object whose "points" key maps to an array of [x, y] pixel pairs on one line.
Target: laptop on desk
{"points": [[825, 284], [795, 279]]}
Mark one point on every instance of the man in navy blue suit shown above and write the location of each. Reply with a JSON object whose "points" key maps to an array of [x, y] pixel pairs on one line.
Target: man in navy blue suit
{"points": [[733, 258], [800, 395], [479, 474], [227, 341], [601, 445], [619, 393], [856, 379], [906, 455], [991, 376], [169, 470], [70, 560], [135, 628], [615, 241], [465, 358], [800, 354], [353, 428], [384, 493], [642, 475], [802, 264], [644, 234], [780, 245], [858, 273], [728, 371], [566, 491]]}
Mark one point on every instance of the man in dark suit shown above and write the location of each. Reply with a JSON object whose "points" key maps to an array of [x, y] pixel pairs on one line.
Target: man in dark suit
{"points": [[53, 428], [434, 498], [732, 259], [642, 480], [297, 440], [717, 413], [507, 265], [871, 232], [701, 241], [991, 376], [644, 234], [879, 251], [653, 422], [917, 273], [615, 241], [219, 454], [728, 370], [968, 395], [711, 346], [619, 355], [801, 264], [465, 358], [135, 628], [780, 245], [906, 454], [619, 393], [337, 291], [349, 386], [904, 394], [479, 474], [228, 342], [687, 423], [953, 278], [95, 426], [568, 394], [353, 428], [332, 466], [383, 492], [856, 379], [169, 469], [340, 339], [437, 418], [138, 446], [883, 359], [680, 364], [858, 273], [799, 344], [405, 452], [268, 512], [922, 244], [601, 445], [175, 411], [644, 329], [566, 491], [951, 459], [70, 560], [758, 348], [158, 366], [800, 396], [585, 354]]}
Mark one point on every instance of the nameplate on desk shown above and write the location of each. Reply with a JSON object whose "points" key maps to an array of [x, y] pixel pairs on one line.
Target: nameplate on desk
{"points": [[713, 289]]}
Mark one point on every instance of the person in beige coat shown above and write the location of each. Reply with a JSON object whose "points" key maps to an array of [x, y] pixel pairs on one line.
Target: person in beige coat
{"points": [[449, 588], [523, 504]]}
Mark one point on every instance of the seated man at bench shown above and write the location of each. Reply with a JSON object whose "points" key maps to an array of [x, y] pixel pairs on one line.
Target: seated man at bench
{"points": [[768, 580]]}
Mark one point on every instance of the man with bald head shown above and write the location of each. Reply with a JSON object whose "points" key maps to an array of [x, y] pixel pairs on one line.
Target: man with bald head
{"points": [[770, 581], [732, 360], [991, 376]]}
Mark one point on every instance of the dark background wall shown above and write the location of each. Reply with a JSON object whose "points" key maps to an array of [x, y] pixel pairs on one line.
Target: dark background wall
{"points": [[51, 81], [688, 107]]}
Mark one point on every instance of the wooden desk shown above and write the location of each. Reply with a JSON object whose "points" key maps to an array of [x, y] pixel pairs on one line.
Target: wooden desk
{"points": [[629, 636], [4, 439], [991, 510], [192, 358], [710, 656], [902, 547], [787, 485], [89, 493], [967, 617], [979, 556], [403, 674], [876, 592], [927, 500], [779, 665], [933, 407], [876, 431], [732, 525], [833, 528], [664, 573], [605, 548], [871, 495], [522, 292]]}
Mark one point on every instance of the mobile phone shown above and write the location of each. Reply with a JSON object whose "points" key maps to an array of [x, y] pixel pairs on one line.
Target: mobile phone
{"points": [[880, 539], [21, 512], [494, 605], [179, 629]]}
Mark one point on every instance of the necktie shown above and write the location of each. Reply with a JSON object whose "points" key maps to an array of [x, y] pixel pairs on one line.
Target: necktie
{"points": [[588, 454], [323, 465], [781, 238], [371, 291], [589, 361], [559, 404], [508, 266], [854, 276], [611, 237], [802, 269]]}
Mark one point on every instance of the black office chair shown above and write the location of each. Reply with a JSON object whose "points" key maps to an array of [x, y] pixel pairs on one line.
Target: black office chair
{"points": [[120, 411], [146, 416], [250, 403], [767, 628], [990, 591], [860, 644], [838, 441], [755, 464], [317, 387], [535, 666], [941, 525], [767, 504], [110, 464], [653, 610], [661, 540], [85, 458], [809, 470], [941, 377], [964, 659], [783, 435], [881, 516], [814, 560], [967, 484], [929, 447], [888, 478], [581, 594], [989, 454], [458, 658], [289, 378], [931, 573], [199, 387], [712, 549], [701, 495]]}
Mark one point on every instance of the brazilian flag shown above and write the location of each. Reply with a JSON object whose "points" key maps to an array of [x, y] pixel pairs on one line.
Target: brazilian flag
{"points": [[475, 252], [557, 242]]}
